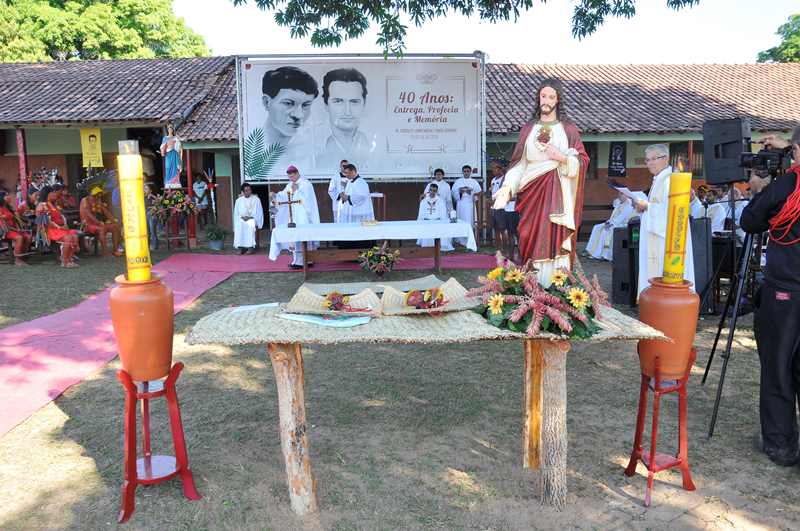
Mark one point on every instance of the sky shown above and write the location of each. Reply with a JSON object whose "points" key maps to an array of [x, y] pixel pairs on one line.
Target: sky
{"points": [[715, 31]]}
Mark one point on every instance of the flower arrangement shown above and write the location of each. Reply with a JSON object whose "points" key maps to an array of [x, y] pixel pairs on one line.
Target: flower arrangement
{"points": [[512, 298], [379, 260], [172, 203], [425, 299], [336, 302]]}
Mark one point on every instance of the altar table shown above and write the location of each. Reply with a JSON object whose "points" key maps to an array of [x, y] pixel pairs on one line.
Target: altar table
{"points": [[544, 440]]}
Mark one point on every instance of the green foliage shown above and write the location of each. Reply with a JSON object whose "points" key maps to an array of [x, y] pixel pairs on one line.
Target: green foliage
{"points": [[258, 161], [42, 30], [788, 51], [330, 23], [215, 232]]}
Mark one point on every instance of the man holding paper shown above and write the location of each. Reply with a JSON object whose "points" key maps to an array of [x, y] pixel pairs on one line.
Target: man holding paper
{"points": [[654, 210]]}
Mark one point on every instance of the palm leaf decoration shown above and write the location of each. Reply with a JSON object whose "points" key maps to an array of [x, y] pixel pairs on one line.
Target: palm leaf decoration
{"points": [[258, 162]]}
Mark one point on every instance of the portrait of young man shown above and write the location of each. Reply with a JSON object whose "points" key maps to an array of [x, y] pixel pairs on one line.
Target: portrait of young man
{"points": [[344, 93]]}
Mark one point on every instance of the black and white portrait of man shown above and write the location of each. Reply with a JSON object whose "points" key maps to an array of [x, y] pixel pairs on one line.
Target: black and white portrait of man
{"points": [[344, 93]]}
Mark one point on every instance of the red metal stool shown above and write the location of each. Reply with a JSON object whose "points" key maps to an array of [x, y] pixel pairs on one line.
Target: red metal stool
{"points": [[655, 461], [152, 469]]}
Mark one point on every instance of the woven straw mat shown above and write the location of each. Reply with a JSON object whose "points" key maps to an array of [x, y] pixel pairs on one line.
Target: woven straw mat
{"points": [[306, 301], [455, 295], [258, 325], [351, 288]]}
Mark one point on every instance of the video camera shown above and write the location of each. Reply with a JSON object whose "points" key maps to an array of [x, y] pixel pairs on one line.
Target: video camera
{"points": [[728, 154]]}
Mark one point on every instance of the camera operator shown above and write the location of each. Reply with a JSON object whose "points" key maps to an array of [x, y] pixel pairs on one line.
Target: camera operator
{"points": [[775, 208]]}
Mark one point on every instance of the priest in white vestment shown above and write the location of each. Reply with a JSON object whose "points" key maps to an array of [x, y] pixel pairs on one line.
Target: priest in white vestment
{"points": [[443, 186], [433, 208], [465, 193], [601, 241], [335, 188], [355, 200], [305, 211], [248, 216], [655, 213]]}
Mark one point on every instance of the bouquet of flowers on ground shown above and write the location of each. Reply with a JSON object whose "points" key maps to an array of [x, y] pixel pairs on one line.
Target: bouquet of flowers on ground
{"points": [[379, 260], [336, 302], [425, 299], [512, 298], [172, 203]]}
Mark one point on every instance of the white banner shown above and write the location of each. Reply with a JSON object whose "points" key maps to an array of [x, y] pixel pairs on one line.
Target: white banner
{"points": [[393, 119]]}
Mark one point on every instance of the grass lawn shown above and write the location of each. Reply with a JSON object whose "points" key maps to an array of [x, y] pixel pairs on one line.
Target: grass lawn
{"points": [[402, 436]]}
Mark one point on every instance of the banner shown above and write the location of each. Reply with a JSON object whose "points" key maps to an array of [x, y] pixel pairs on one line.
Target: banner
{"points": [[393, 119], [91, 148], [617, 159]]}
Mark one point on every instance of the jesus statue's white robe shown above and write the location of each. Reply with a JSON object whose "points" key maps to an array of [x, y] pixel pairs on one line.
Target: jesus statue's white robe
{"points": [[602, 238], [653, 234], [244, 231], [358, 206], [465, 201], [434, 210]]}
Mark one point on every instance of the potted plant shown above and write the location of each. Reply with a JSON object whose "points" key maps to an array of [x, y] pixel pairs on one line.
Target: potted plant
{"points": [[215, 234], [379, 260]]}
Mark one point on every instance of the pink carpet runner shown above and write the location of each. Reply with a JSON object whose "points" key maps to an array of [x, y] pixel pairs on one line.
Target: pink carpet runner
{"points": [[40, 359]]}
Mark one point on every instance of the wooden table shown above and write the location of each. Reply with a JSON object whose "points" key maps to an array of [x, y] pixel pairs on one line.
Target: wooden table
{"points": [[544, 434]]}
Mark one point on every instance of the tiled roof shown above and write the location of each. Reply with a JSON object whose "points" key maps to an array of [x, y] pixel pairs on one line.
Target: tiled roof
{"points": [[121, 91], [214, 120], [649, 98]]}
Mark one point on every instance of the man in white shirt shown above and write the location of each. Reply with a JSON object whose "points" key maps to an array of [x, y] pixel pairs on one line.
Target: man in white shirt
{"points": [[248, 216], [465, 192], [304, 211], [432, 208], [444, 189], [335, 189], [602, 238], [655, 213], [498, 215], [356, 205]]}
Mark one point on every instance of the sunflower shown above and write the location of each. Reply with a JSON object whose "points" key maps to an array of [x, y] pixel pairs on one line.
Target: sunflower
{"points": [[559, 278], [495, 273], [578, 298], [515, 275], [496, 303]]}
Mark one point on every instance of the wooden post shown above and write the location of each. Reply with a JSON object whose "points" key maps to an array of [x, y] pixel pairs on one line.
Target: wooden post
{"points": [[690, 156], [191, 221], [287, 364], [545, 430], [305, 256], [22, 159], [437, 255]]}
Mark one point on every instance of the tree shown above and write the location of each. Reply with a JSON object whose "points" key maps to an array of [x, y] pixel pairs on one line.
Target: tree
{"points": [[329, 22], [44, 30], [787, 51]]}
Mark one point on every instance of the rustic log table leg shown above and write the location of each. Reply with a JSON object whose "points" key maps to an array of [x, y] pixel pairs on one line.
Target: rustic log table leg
{"points": [[287, 363], [305, 261], [437, 255], [545, 426]]}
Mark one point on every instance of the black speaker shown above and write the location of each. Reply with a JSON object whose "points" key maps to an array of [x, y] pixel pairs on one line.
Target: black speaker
{"points": [[625, 264], [703, 263], [723, 143]]}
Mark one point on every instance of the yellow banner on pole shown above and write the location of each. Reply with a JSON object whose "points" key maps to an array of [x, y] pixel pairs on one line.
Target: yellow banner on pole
{"points": [[91, 148]]}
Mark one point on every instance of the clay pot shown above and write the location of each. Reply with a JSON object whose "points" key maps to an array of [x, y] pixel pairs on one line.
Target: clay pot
{"points": [[673, 309], [142, 314]]}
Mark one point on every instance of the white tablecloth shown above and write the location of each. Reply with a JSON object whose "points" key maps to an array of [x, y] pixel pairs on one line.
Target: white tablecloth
{"points": [[385, 230]]}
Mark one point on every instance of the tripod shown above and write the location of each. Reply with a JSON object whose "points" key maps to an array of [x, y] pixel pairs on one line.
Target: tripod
{"points": [[734, 299]]}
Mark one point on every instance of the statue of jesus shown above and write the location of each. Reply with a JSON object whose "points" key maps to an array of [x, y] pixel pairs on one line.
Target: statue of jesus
{"points": [[546, 174]]}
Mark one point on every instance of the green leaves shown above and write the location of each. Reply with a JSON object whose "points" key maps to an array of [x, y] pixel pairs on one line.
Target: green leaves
{"points": [[788, 51], [41, 30], [258, 161], [331, 22]]}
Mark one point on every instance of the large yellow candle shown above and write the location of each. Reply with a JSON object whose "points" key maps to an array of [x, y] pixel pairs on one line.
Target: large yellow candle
{"points": [[134, 221], [680, 185]]}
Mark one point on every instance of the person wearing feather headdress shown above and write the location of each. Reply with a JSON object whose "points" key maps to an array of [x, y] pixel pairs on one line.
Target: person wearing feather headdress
{"points": [[52, 227], [98, 221], [11, 228]]}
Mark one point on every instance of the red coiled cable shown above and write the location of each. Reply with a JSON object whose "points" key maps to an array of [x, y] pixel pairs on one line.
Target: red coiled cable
{"points": [[782, 223]]}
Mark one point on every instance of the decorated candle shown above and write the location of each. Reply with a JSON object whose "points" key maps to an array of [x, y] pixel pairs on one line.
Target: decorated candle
{"points": [[680, 185], [131, 188]]}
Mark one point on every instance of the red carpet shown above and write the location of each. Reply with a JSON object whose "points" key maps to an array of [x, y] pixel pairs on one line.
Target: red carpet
{"points": [[259, 263], [40, 359]]}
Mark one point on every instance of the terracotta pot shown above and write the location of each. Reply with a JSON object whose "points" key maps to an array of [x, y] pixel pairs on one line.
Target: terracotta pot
{"points": [[672, 309], [142, 314]]}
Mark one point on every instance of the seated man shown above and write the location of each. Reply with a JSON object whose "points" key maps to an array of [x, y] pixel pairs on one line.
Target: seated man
{"points": [[716, 210], [248, 216], [434, 208], [602, 238], [98, 221], [11, 228]]}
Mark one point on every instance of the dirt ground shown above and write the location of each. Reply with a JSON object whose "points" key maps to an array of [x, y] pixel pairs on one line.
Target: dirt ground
{"points": [[402, 437]]}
